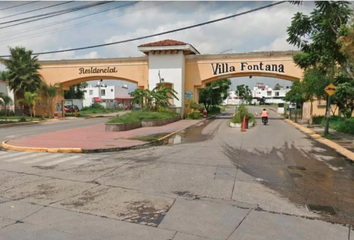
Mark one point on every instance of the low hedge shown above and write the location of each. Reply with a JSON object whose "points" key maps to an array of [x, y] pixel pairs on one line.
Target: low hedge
{"points": [[194, 115], [138, 116]]}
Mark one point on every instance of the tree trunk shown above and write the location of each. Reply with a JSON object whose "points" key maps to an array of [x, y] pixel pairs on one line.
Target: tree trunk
{"points": [[31, 110], [311, 112], [5, 112]]}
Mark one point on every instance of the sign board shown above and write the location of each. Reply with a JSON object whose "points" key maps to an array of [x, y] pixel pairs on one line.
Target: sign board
{"points": [[330, 89], [188, 95]]}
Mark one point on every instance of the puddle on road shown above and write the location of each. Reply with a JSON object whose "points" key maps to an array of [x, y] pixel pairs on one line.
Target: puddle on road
{"points": [[190, 135], [303, 177]]}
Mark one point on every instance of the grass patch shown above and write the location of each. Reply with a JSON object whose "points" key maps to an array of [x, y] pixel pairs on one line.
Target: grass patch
{"points": [[138, 116], [150, 138], [343, 125], [331, 136]]}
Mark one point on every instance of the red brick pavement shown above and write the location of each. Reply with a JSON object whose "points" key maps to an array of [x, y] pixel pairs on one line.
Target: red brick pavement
{"points": [[95, 137]]}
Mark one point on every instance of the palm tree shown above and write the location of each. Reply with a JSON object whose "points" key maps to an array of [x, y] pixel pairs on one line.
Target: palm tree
{"points": [[30, 100], [49, 92], [5, 101], [22, 71], [139, 96]]}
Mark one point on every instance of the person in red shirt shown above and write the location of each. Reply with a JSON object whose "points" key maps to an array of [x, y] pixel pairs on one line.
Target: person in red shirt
{"points": [[264, 113]]}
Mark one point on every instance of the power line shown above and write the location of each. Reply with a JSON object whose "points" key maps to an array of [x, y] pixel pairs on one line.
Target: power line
{"points": [[19, 5], [11, 37], [7, 36], [157, 34], [37, 9], [51, 14]]}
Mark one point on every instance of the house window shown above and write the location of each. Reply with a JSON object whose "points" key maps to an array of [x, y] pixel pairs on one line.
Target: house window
{"points": [[112, 90], [277, 94], [269, 93], [103, 92], [91, 92]]}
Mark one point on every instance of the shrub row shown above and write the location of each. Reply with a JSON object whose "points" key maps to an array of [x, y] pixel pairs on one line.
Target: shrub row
{"points": [[9, 113], [138, 116]]}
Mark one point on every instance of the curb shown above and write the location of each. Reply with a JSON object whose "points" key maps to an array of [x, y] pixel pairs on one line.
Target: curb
{"points": [[80, 150], [89, 117], [18, 124], [40, 149], [338, 148]]}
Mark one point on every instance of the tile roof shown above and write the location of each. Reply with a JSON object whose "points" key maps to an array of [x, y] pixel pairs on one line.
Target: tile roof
{"points": [[167, 42]]}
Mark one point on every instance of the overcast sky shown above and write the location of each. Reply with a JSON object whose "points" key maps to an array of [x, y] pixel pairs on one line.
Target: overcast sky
{"points": [[264, 30]]}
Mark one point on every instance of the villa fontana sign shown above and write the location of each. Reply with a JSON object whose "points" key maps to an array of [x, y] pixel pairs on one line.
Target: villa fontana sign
{"points": [[97, 70], [222, 68]]}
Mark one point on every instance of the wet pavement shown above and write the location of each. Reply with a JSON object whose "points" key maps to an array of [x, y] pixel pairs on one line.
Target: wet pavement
{"points": [[306, 172]]}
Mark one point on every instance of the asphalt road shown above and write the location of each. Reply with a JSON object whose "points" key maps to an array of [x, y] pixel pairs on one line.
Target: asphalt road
{"points": [[210, 182]]}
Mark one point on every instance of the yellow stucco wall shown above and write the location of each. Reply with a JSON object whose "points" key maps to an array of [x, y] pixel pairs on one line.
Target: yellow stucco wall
{"points": [[203, 69], [71, 72]]}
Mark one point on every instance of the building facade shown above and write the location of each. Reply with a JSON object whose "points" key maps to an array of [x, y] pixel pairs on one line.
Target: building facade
{"points": [[271, 95], [107, 96]]}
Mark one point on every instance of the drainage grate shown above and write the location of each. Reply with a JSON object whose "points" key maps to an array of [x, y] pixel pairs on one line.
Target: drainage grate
{"points": [[295, 175], [297, 167], [322, 209]]}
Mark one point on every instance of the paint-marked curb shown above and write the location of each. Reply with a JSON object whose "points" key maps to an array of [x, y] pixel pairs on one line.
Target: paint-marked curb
{"points": [[338, 148], [40, 149]]}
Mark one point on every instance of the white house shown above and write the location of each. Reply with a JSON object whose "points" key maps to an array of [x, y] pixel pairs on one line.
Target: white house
{"points": [[271, 95], [107, 96], [4, 89]]}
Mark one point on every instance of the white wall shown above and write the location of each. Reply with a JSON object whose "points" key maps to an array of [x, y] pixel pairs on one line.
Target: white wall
{"points": [[172, 70], [111, 93]]}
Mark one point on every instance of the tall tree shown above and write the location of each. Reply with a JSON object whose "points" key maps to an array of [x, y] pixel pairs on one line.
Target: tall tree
{"points": [[5, 101], [244, 92], [76, 91], [316, 35], [295, 95], [313, 86], [347, 47], [49, 92], [212, 93], [22, 71]]}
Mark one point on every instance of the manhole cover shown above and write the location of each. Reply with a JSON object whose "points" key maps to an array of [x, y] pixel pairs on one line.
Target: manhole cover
{"points": [[322, 209], [297, 167], [295, 175]]}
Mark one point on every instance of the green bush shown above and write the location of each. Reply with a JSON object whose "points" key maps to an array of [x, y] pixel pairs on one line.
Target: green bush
{"points": [[344, 125], [138, 116], [237, 118], [318, 119], [214, 110], [242, 109], [286, 116], [250, 117], [96, 105], [9, 113], [22, 120], [194, 115]]}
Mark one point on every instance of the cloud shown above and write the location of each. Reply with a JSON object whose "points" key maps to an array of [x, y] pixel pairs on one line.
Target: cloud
{"points": [[258, 31]]}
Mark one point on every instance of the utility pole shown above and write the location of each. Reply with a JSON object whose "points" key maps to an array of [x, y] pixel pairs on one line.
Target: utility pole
{"points": [[330, 91]]}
